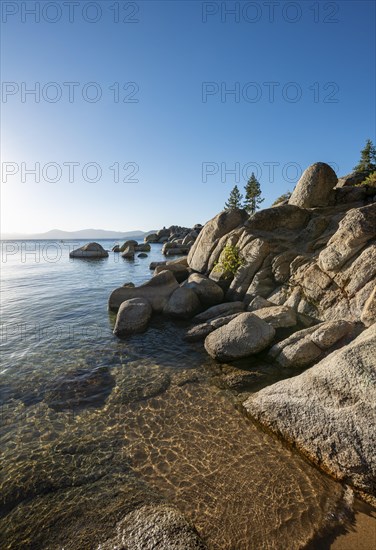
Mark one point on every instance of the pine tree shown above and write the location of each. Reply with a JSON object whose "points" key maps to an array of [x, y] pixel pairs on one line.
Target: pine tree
{"points": [[252, 195], [234, 200], [367, 159]]}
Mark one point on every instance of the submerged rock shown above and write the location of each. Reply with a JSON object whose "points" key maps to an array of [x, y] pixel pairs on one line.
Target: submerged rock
{"points": [[138, 383], [329, 412], [243, 336], [154, 527], [241, 380], [78, 388], [89, 250]]}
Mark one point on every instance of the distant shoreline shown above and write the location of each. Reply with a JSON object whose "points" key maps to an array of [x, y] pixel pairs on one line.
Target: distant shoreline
{"points": [[71, 238], [83, 234]]}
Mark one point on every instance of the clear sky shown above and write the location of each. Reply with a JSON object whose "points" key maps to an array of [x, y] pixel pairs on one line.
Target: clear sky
{"points": [[132, 123]]}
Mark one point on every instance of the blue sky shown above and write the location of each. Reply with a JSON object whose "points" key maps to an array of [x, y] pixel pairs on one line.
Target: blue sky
{"points": [[303, 86]]}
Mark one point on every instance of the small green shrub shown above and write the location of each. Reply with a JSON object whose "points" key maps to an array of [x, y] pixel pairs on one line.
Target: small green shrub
{"points": [[370, 180], [230, 260], [284, 197]]}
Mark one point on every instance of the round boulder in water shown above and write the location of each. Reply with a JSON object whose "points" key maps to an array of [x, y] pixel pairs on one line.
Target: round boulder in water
{"points": [[133, 317], [89, 250]]}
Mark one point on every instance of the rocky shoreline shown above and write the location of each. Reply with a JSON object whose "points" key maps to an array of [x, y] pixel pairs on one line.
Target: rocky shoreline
{"points": [[294, 287], [307, 268]]}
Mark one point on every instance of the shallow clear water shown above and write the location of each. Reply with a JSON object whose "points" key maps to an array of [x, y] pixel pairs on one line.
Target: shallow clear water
{"points": [[93, 426]]}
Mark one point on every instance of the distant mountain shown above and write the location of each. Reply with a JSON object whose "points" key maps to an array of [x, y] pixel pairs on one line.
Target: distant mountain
{"points": [[82, 234]]}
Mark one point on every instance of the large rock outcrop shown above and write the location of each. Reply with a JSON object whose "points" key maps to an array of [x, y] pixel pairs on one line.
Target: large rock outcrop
{"points": [[317, 257], [329, 412]]}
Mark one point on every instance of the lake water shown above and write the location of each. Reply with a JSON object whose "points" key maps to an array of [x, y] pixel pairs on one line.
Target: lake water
{"points": [[93, 426]]}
